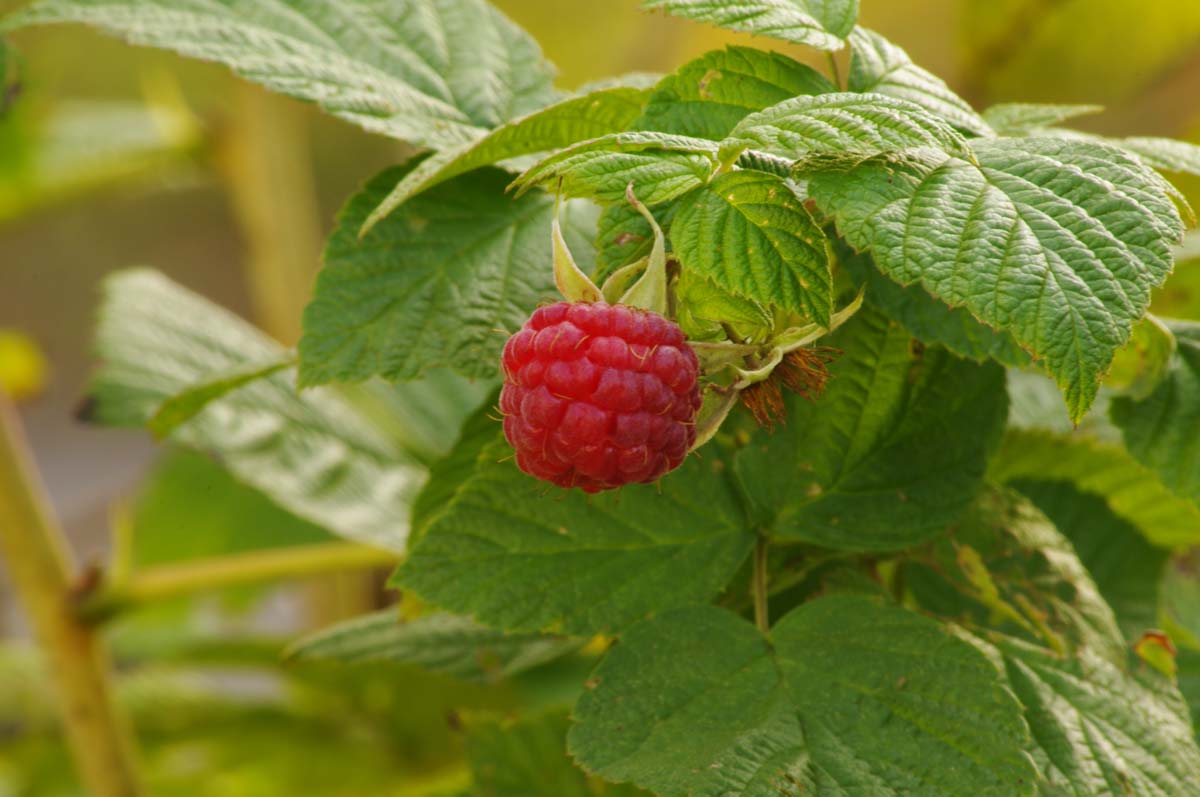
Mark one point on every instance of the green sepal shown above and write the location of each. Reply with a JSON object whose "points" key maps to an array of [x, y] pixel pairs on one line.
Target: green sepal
{"points": [[650, 291], [572, 283]]}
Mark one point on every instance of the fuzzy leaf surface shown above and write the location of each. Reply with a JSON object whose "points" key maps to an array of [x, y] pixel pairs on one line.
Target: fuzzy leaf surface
{"points": [[438, 642], [315, 454], [840, 123], [823, 24], [877, 65], [1057, 242], [707, 97], [1161, 431], [1022, 119], [520, 559], [750, 233], [566, 122], [432, 284], [892, 452], [846, 696], [660, 166], [433, 72]]}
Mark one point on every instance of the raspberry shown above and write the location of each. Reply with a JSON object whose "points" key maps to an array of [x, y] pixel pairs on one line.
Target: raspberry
{"points": [[597, 395]]}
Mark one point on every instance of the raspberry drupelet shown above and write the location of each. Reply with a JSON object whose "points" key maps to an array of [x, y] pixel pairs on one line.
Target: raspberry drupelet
{"points": [[597, 396]]}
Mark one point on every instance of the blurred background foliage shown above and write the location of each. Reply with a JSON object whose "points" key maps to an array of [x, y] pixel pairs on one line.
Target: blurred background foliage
{"points": [[112, 156]]}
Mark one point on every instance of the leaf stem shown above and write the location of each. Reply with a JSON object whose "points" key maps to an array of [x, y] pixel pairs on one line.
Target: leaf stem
{"points": [[171, 581], [835, 72], [761, 608], [40, 564]]}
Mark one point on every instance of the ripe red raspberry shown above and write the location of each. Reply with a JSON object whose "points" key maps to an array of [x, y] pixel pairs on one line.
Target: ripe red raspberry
{"points": [[599, 395]]}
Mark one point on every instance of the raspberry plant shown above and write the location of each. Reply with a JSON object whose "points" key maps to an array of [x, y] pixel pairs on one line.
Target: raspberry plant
{"points": [[926, 579]]}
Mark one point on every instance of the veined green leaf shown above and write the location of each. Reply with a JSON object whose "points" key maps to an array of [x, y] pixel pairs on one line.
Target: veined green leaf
{"points": [[1058, 242], [1163, 430], [931, 321], [750, 233], [1125, 566], [823, 24], [438, 642], [845, 696], [314, 454], [433, 72], [623, 236], [1181, 597], [1021, 119], [841, 123], [890, 454], [707, 97], [660, 166], [1164, 154], [182, 407], [436, 283], [1132, 490], [881, 67], [519, 559], [566, 122]]}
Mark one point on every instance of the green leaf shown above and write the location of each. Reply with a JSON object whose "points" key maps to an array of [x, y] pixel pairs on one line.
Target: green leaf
{"points": [[750, 233], [566, 122], [704, 308], [840, 123], [316, 455], [435, 284], [707, 97], [623, 236], [1161, 430], [1132, 490], [1189, 682], [1181, 597], [439, 642], [528, 758], [846, 696], [931, 321], [892, 452], [182, 407], [1101, 727], [455, 468], [878, 66], [823, 24], [660, 166], [1058, 242], [1022, 119], [1125, 567], [433, 73], [1164, 154], [516, 558]]}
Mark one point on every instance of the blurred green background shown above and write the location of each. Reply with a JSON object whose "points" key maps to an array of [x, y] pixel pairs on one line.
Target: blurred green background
{"points": [[113, 156]]}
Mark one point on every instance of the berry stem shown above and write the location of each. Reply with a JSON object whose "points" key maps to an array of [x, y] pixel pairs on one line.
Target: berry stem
{"points": [[761, 610]]}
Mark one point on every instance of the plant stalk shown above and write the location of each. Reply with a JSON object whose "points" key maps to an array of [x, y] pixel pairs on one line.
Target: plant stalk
{"points": [[40, 565], [164, 582], [760, 586], [835, 72]]}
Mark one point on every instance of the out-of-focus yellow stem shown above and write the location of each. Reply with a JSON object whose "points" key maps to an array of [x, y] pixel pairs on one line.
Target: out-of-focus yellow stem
{"points": [[39, 563]]}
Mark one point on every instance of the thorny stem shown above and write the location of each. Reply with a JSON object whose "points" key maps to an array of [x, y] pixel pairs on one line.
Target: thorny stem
{"points": [[40, 565], [255, 567], [761, 612]]}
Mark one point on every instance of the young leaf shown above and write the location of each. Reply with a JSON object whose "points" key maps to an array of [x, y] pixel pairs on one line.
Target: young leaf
{"points": [[435, 74], [1058, 242], [845, 696], [1132, 490], [892, 452], [1022, 119], [660, 167], [750, 233], [315, 454], [1125, 567], [1161, 429], [518, 559], [932, 321], [878, 66], [706, 98], [439, 642], [566, 122], [823, 24], [853, 123], [435, 284]]}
